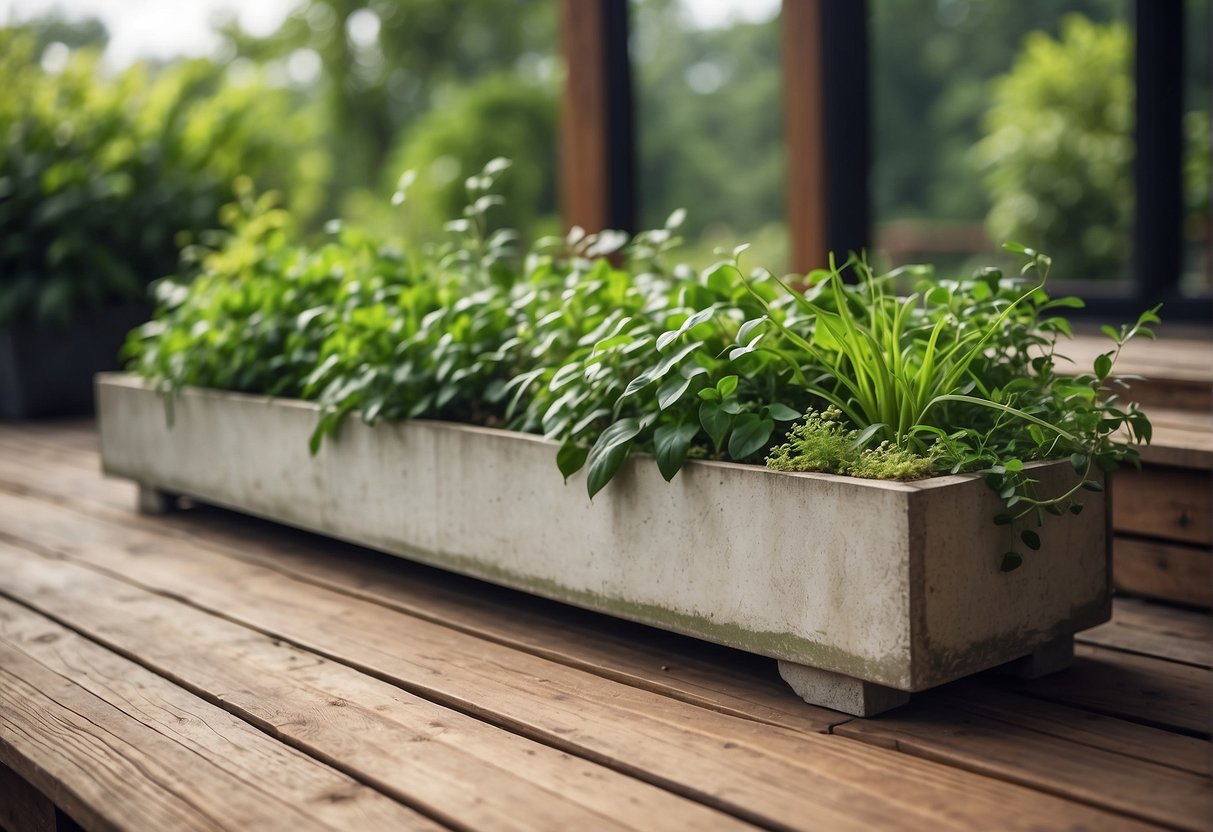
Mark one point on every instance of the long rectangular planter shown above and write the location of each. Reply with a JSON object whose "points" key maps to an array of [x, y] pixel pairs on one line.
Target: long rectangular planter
{"points": [[862, 589]]}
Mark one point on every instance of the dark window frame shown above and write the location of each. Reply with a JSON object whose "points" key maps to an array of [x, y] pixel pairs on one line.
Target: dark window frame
{"points": [[825, 61]]}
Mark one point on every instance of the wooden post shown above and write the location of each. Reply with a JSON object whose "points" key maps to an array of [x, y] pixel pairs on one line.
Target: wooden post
{"points": [[597, 142], [826, 100]]}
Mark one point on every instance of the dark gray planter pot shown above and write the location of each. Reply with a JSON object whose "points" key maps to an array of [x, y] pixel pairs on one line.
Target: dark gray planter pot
{"points": [[48, 369]]}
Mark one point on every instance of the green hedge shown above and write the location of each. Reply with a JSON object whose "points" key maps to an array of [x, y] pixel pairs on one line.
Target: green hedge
{"points": [[103, 179]]}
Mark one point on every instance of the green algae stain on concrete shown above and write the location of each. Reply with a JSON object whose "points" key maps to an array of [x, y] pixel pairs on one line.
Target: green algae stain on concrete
{"points": [[892, 671]]}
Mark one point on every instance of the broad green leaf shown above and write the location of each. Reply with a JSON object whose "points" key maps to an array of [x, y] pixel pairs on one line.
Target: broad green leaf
{"points": [[670, 445], [782, 413], [715, 421], [571, 458], [1011, 561], [726, 385], [672, 390], [609, 452], [1030, 539], [751, 434]]}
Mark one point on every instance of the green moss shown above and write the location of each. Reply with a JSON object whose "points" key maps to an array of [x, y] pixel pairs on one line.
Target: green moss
{"points": [[823, 443]]}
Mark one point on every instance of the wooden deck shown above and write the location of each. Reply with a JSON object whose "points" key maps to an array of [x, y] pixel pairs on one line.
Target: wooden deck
{"points": [[209, 671]]}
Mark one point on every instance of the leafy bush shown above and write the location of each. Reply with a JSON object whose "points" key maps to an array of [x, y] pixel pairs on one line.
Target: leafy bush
{"points": [[1059, 147], [652, 356], [500, 115], [102, 180]]}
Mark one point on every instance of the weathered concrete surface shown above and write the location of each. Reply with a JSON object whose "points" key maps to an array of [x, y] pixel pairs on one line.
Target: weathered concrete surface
{"points": [[891, 583]]}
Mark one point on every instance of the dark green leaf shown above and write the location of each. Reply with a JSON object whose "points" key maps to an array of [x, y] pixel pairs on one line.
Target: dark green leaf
{"points": [[1092, 485], [782, 413], [609, 452], [715, 421], [1010, 562], [570, 459], [1030, 539], [670, 445], [672, 390], [751, 434]]}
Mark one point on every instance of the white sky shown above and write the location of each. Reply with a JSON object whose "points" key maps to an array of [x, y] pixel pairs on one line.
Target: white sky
{"points": [[165, 28]]}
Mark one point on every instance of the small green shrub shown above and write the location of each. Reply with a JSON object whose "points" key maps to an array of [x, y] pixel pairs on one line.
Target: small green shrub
{"points": [[103, 179]]}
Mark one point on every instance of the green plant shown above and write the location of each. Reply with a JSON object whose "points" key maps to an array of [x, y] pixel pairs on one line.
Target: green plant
{"points": [[1059, 145], [652, 356], [103, 179]]}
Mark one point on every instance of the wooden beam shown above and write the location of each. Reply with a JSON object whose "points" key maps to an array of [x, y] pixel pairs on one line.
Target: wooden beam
{"points": [[826, 100], [804, 105], [597, 143]]}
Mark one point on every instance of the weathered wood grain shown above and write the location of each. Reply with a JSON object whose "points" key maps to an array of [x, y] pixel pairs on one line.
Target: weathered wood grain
{"points": [[1140, 688], [1175, 572], [982, 740], [756, 771], [222, 740], [452, 767], [1170, 504], [110, 771], [1152, 629]]}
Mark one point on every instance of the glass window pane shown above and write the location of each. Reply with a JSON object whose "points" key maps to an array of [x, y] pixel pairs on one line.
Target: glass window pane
{"points": [[709, 122], [998, 121]]}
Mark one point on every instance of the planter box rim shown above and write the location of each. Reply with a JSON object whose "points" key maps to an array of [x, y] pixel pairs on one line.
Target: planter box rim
{"points": [[137, 382]]}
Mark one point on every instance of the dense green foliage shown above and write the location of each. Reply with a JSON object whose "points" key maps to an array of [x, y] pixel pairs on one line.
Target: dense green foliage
{"points": [[499, 115], [103, 179], [650, 355], [1060, 145], [387, 65]]}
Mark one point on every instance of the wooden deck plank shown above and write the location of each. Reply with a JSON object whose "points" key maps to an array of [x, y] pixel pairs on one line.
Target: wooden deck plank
{"points": [[1167, 571], [1151, 629], [986, 695], [1170, 504], [1139, 688], [980, 739], [110, 770], [1181, 438], [1176, 369], [780, 777], [215, 736], [459, 769]]}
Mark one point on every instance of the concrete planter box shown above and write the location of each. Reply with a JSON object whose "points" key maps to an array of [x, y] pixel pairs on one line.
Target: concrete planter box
{"points": [[863, 590]]}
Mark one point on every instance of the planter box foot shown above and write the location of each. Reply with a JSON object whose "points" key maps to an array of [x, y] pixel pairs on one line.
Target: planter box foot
{"points": [[1055, 656], [154, 502], [839, 692]]}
